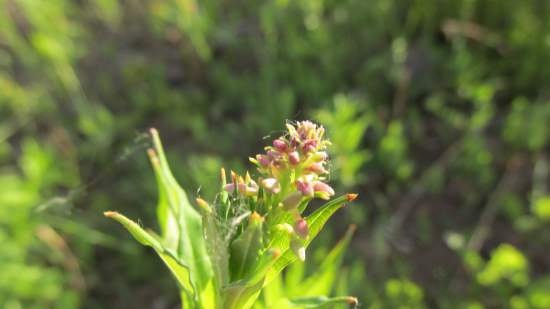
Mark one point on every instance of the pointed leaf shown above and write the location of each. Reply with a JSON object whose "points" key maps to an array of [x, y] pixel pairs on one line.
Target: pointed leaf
{"points": [[315, 221], [245, 250], [216, 245], [191, 247], [243, 293], [180, 272], [322, 281]]}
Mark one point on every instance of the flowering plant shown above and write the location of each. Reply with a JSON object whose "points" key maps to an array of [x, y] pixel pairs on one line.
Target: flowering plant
{"points": [[223, 253]]}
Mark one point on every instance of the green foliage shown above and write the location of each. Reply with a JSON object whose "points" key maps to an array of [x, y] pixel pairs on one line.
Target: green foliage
{"points": [[347, 125], [438, 112], [506, 263], [33, 254], [541, 208]]}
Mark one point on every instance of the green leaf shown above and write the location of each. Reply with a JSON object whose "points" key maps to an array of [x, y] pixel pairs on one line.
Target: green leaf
{"points": [[180, 271], [165, 216], [315, 222], [216, 245], [245, 250], [175, 207], [240, 295], [322, 281], [243, 293], [273, 292], [293, 277]]}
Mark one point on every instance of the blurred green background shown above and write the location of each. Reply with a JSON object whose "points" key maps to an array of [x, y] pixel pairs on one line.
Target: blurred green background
{"points": [[439, 112]]}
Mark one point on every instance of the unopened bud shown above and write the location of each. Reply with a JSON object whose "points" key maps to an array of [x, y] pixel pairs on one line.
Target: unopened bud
{"points": [[294, 158], [305, 187], [263, 160], [251, 188], [317, 168], [309, 145], [230, 187], [301, 228], [271, 185], [280, 145], [323, 190], [241, 187], [298, 248], [273, 155]]}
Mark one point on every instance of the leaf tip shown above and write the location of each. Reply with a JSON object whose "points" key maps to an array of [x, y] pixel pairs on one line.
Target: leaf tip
{"points": [[351, 196], [203, 204], [110, 214], [153, 131], [256, 217], [352, 301], [223, 176]]}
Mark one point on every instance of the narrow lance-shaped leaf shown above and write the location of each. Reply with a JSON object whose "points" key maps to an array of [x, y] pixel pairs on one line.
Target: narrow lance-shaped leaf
{"points": [[243, 293], [215, 243], [191, 248], [315, 221], [180, 271], [165, 215], [245, 250], [321, 282]]}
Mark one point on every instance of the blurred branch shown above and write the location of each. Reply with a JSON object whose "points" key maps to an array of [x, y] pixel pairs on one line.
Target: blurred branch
{"points": [[453, 28], [541, 170], [410, 199], [56, 242], [400, 99], [418, 189], [490, 210]]}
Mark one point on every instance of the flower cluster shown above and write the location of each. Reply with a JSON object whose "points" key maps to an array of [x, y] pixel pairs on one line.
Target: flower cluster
{"points": [[298, 161], [293, 170]]}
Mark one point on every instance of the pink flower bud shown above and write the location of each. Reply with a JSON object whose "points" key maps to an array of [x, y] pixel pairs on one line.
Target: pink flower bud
{"points": [[263, 160], [241, 187], [306, 188], [301, 229], [294, 158], [325, 191], [280, 145], [252, 188], [317, 168], [230, 187], [309, 145], [271, 185], [273, 155]]}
